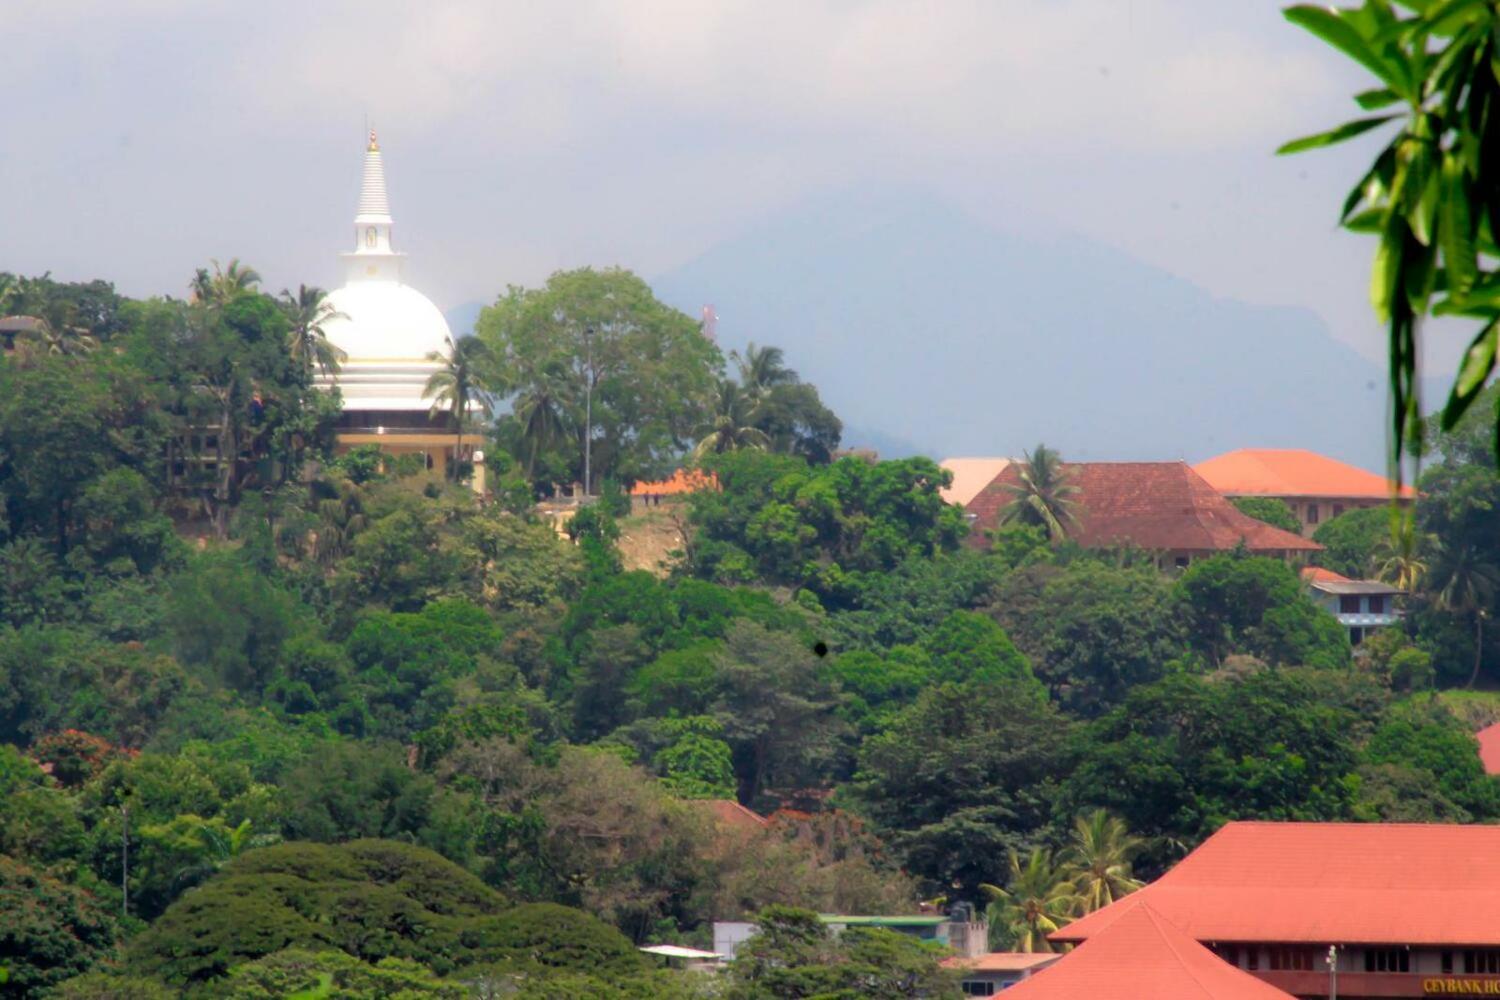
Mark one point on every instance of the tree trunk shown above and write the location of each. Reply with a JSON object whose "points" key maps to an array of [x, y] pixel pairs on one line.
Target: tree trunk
{"points": [[1478, 644]]}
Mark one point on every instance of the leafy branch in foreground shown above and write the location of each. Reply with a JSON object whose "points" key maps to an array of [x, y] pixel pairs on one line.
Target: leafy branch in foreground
{"points": [[1432, 195]]}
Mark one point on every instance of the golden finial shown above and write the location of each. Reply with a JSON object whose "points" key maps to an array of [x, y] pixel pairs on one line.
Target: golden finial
{"points": [[374, 146]]}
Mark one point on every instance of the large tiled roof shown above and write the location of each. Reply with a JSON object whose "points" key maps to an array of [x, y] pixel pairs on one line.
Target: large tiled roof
{"points": [[1322, 883], [1292, 472], [1140, 954], [1489, 748], [970, 475], [731, 814], [1161, 506]]}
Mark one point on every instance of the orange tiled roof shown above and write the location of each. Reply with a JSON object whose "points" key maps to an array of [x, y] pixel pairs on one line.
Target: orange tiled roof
{"points": [[1140, 954], [681, 481], [731, 814], [1159, 506], [1322, 883], [1318, 574], [1292, 472], [1489, 748]]}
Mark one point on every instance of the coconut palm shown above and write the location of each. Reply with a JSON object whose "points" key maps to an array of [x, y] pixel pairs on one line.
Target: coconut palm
{"points": [[340, 520], [225, 284], [455, 387], [731, 429], [1400, 558], [1039, 898], [761, 370], [310, 311], [1099, 858], [541, 410], [1462, 582], [1044, 496]]}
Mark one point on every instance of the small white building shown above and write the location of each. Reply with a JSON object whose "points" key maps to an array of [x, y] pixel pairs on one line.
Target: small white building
{"points": [[1361, 606], [968, 938]]}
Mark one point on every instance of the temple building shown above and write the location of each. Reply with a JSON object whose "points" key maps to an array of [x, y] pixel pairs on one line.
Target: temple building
{"points": [[388, 332], [1354, 910]]}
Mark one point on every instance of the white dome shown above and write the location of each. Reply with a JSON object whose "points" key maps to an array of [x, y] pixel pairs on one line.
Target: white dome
{"points": [[387, 321], [386, 333]]}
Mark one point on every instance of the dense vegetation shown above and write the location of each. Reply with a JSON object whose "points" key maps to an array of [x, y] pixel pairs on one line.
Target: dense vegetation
{"points": [[274, 721]]}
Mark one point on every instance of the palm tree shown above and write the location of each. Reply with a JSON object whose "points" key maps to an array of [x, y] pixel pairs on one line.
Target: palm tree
{"points": [[1401, 561], [762, 369], [455, 388], [731, 429], [340, 519], [225, 284], [1100, 859], [1044, 495], [309, 310], [1463, 581], [64, 338], [1039, 899], [541, 410]]}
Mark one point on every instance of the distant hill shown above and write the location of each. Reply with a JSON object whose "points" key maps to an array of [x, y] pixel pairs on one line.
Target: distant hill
{"points": [[922, 325]]}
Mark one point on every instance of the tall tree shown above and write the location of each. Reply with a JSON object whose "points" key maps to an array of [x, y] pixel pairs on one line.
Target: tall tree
{"points": [[224, 284], [1038, 898], [309, 311], [762, 369], [454, 388], [1463, 581], [1099, 858], [634, 377], [65, 337], [541, 409], [1044, 495], [732, 429]]}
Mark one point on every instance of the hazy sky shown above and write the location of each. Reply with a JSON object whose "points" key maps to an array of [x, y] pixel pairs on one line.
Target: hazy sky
{"points": [[142, 137]]}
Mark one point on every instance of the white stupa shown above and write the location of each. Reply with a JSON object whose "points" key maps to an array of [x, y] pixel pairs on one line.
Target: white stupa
{"points": [[388, 328], [389, 333]]}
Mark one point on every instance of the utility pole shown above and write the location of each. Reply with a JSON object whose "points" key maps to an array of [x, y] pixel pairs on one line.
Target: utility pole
{"points": [[588, 410], [1333, 972]]}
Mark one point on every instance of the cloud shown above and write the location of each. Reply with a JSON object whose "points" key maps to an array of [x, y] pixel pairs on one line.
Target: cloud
{"points": [[974, 77]]}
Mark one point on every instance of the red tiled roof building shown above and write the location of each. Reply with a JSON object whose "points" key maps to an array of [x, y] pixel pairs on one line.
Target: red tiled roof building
{"points": [[1412, 909], [1489, 748], [1162, 507], [1314, 486], [1139, 954]]}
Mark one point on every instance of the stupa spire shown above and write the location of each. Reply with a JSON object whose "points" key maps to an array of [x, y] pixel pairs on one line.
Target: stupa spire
{"points": [[374, 206], [373, 258]]}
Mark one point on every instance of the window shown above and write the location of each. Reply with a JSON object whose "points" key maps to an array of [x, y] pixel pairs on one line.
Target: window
{"points": [[1181, 562], [1447, 963], [1387, 960], [1349, 604], [978, 988], [1377, 604], [1252, 958], [1229, 953], [1482, 960], [1312, 513], [1338, 509], [1292, 959]]}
